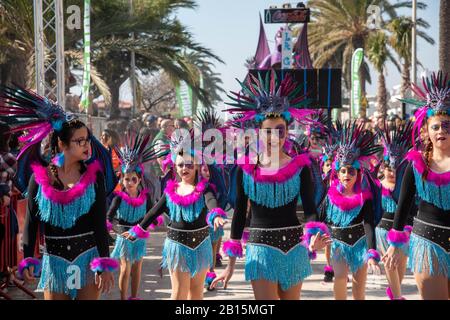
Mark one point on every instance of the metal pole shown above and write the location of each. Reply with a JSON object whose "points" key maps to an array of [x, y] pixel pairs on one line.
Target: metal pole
{"points": [[60, 73], [38, 47], [133, 70], [413, 43]]}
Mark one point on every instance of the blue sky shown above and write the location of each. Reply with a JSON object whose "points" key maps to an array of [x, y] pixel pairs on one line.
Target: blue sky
{"points": [[231, 27]]}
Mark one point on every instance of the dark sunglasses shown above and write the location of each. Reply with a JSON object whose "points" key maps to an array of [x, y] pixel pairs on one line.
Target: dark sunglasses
{"points": [[181, 165], [82, 141], [344, 170]]}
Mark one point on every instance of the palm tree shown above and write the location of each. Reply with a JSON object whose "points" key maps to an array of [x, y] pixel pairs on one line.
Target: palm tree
{"points": [[400, 40], [444, 32], [339, 27], [378, 53]]}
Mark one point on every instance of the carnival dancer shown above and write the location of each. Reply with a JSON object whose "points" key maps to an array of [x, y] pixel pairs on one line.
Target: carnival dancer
{"points": [[129, 206], [396, 143], [68, 196], [192, 209], [428, 175], [350, 211], [276, 260], [212, 172]]}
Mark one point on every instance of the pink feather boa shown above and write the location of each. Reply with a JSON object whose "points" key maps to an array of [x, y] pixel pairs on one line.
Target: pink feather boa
{"points": [[167, 162], [67, 196], [134, 202], [280, 175], [438, 179], [386, 192], [186, 200], [347, 203]]}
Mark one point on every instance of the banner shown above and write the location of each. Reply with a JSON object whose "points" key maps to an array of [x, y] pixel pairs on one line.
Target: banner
{"points": [[355, 100], [86, 55], [286, 49], [184, 99]]}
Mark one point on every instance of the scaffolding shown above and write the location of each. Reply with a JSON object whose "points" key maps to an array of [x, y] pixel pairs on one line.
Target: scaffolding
{"points": [[49, 49]]}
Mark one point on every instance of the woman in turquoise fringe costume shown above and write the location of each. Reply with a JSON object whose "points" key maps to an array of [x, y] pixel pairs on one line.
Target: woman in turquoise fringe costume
{"points": [[428, 176]]}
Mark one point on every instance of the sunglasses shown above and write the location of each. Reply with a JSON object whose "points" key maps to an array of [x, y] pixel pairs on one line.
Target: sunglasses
{"points": [[82, 142], [181, 165], [280, 129], [133, 180], [350, 171]]}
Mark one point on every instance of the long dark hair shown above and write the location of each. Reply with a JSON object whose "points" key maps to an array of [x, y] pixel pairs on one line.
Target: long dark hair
{"points": [[65, 135]]}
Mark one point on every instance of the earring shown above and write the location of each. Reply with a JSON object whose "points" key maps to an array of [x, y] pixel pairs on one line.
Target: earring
{"points": [[58, 160]]}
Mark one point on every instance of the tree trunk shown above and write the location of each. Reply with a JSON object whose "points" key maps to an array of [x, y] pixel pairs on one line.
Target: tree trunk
{"points": [[405, 82], [444, 41], [114, 111], [381, 95]]}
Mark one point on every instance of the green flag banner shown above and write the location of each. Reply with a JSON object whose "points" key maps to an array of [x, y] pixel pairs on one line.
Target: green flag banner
{"points": [[355, 100], [86, 55]]}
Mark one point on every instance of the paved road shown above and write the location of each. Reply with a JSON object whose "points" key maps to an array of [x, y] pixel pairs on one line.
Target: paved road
{"points": [[155, 287]]}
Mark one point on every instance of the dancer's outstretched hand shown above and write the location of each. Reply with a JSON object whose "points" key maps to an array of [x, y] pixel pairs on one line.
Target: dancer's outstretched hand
{"points": [[128, 236], [319, 241], [391, 258], [219, 222], [104, 281], [373, 267], [224, 277]]}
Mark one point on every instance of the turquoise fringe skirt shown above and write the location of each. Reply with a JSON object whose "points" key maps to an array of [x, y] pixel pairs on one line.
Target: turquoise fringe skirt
{"points": [[62, 276], [178, 257], [426, 256], [353, 256], [271, 264], [131, 251]]}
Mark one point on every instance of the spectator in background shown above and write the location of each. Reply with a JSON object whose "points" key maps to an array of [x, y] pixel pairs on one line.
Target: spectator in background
{"points": [[162, 139], [158, 122], [110, 138], [181, 124], [8, 166]]}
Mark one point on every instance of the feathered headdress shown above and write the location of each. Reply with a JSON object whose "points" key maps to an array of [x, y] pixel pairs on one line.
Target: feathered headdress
{"points": [[135, 151], [319, 124], [396, 143], [261, 98], [38, 116], [434, 99], [355, 146]]}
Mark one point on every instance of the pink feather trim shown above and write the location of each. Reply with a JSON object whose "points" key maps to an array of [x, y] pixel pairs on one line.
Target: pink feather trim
{"points": [[386, 192], [134, 202], [408, 229], [280, 175], [67, 196], [167, 162], [347, 203], [328, 269], [159, 222], [109, 225], [232, 248], [186, 200], [397, 238], [139, 232], [438, 179], [104, 264], [26, 263], [213, 214], [245, 236]]}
